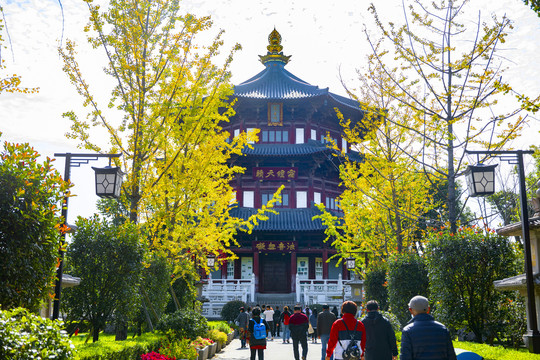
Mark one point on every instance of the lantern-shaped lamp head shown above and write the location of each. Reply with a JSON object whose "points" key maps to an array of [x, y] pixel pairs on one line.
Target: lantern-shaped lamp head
{"points": [[211, 260], [480, 179], [350, 263], [108, 181]]}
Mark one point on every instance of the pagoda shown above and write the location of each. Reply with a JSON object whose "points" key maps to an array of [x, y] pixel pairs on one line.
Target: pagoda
{"points": [[296, 123]]}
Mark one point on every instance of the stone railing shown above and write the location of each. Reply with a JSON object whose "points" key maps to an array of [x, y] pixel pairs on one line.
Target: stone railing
{"points": [[221, 291], [329, 291]]}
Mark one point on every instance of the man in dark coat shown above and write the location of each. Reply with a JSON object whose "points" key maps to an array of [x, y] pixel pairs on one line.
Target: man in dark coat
{"points": [[325, 320], [424, 338], [381, 339], [298, 325]]}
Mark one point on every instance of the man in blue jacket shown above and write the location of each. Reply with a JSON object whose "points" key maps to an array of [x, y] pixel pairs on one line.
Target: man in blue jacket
{"points": [[423, 338]]}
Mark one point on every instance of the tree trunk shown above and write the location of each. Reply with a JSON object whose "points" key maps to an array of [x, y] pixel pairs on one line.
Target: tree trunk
{"points": [[121, 329], [95, 333]]}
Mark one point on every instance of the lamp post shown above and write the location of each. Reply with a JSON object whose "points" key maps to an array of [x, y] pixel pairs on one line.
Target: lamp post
{"points": [[355, 284], [107, 185], [481, 181]]}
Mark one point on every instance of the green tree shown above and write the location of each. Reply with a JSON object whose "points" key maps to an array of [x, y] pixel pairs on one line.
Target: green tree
{"points": [[407, 277], [171, 97], [30, 198], [376, 285], [448, 76], [462, 267], [108, 259]]}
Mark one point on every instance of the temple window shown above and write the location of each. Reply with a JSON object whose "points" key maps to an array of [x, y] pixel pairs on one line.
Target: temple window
{"points": [[299, 135], [248, 199], [230, 269], [275, 136], [344, 145], [301, 199], [313, 134], [332, 203], [317, 197], [318, 268], [324, 139], [275, 114], [236, 132], [267, 196], [248, 130]]}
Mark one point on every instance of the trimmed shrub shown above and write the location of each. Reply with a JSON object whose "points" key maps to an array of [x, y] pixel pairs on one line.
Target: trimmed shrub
{"points": [[230, 310], [24, 335], [109, 349], [184, 323], [407, 277], [376, 285], [462, 268], [394, 321]]}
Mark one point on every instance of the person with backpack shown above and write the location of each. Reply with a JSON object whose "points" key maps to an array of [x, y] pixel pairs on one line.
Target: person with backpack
{"points": [[258, 331], [285, 316], [299, 324], [347, 335], [380, 337]]}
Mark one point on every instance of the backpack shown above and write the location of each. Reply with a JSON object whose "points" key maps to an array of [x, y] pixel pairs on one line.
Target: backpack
{"points": [[353, 351], [259, 330]]}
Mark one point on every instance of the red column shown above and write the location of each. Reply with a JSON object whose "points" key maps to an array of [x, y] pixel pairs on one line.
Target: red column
{"points": [[256, 269], [224, 270], [324, 264], [293, 271]]}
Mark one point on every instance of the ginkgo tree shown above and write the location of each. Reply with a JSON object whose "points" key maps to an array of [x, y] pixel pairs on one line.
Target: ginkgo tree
{"points": [[386, 193], [164, 116], [449, 76], [10, 83]]}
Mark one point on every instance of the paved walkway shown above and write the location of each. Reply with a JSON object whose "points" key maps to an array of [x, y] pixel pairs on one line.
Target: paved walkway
{"points": [[275, 350]]}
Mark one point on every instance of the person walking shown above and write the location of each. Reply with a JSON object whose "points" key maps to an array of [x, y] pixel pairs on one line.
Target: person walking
{"points": [[380, 337], [324, 323], [242, 320], [298, 324], [313, 323], [269, 316], [346, 330], [423, 338], [277, 322], [258, 331], [335, 311], [285, 317]]}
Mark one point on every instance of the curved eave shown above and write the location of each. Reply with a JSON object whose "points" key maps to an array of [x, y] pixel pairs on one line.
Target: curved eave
{"points": [[276, 83], [294, 150], [294, 220]]}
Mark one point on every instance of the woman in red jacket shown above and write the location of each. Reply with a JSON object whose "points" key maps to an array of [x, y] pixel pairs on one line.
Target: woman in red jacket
{"points": [[344, 330]]}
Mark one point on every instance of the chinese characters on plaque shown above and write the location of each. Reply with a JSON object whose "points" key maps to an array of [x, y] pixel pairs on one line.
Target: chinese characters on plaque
{"points": [[274, 246], [275, 173]]}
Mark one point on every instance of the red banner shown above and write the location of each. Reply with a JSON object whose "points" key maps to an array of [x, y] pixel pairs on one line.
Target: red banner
{"points": [[275, 173], [275, 246]]}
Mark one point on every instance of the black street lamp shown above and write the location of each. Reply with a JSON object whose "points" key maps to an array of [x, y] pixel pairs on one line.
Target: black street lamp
{"points": [[483, 184], [103, 183]]}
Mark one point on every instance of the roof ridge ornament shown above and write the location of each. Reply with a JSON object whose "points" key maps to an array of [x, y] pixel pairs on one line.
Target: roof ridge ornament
{"points": [[274, 53]]}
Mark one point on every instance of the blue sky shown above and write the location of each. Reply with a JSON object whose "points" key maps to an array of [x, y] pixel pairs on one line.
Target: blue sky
{"points": [[323, 37]]}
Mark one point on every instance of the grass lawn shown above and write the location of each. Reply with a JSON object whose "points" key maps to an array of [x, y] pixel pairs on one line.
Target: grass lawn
{"points": [[497, 352], [107, 344]]}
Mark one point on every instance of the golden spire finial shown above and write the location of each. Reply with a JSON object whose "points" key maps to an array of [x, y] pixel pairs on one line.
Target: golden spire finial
{"points": [[274, 49]]}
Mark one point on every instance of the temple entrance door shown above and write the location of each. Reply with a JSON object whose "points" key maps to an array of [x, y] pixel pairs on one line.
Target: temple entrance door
{"points": [[275, 273]]}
